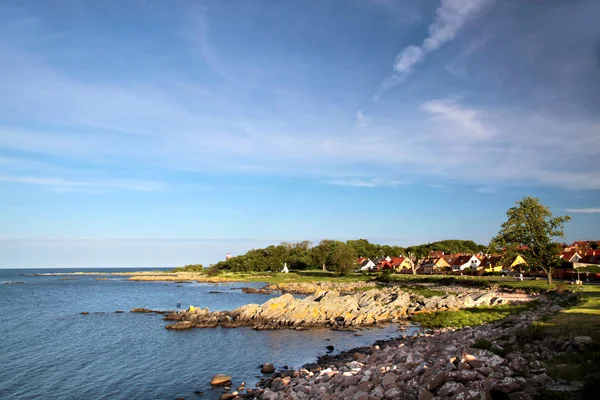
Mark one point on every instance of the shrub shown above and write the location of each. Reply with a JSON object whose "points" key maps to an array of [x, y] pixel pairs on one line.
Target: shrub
{"points": [[482, 344]]}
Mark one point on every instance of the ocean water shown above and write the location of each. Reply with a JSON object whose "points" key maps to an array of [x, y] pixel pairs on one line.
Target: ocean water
{"points": [[48, 350]]}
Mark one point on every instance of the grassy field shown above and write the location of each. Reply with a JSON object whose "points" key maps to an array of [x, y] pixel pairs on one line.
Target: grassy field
{"points": [[468, 316]]}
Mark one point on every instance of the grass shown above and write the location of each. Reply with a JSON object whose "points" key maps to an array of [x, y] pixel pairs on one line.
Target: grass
{"points": [[582, 319], [469, 316], [427, 292]]}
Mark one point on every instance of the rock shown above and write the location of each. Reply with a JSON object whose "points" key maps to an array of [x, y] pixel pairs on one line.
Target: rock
{"points": [[392, 393], [329, 348], [555, 308], [267, 368], [448, 389], [510, 385], [583, 340], [84, 313], [424, 394], [220, 380], [180, 325], [519, 396], [519, 365], [434, 382], [228, 396]]}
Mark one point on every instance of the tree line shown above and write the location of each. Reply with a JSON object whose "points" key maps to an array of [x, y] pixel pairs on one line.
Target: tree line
{"points": [[333, 255]]}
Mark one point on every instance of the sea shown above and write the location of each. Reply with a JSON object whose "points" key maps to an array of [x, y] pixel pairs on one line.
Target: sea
{"points": [[49, 350]]}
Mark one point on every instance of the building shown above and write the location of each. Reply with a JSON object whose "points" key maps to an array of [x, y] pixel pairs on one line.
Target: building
{"points": [[433, 265], [466, 262]]}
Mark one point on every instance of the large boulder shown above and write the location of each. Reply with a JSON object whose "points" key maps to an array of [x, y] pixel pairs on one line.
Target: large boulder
{"points": [[220, 380]]}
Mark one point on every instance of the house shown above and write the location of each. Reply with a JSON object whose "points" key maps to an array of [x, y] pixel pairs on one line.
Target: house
{"points": [[495, 264], [364, 264], [398, 264], [462, 263], [433, 265], [436, 254], [492, 264], [570, 256]]}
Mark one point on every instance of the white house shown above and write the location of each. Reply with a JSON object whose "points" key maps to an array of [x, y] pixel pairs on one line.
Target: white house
{"points": [[465, 262], [366, 265]]}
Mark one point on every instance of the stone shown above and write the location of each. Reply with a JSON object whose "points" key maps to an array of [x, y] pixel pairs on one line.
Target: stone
{"points": [[510, 385], [388, 380], [392, 393], [267, 368], [464, 376], [448, 389], [220, 380], [519, 365], [583, 340], [519, 396], [466, 393], [424, 394], [434, 382]]}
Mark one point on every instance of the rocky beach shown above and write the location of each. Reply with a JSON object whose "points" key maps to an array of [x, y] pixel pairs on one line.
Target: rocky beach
{"points": [[326, 307], [502, 360]]}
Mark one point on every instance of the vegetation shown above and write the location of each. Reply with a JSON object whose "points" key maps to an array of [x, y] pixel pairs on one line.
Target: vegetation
{"points": [[333, 255], [530, 231], [189, 268], [469, 316]]}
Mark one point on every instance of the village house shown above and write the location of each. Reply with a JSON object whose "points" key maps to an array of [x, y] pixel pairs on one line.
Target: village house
{"points": [[495, 264], [433, 265], [365, 264], [398, 264], [465, 262]]}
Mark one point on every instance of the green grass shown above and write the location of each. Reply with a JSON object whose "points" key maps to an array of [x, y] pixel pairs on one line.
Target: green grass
{"points": [[469, 316], [426, 292]]}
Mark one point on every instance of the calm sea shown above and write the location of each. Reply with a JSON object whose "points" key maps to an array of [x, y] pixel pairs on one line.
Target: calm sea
{"points": [[48, 350]]}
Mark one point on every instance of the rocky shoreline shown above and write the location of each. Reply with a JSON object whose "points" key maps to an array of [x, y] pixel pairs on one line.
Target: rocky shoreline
{"points": [[503, 360], [330, 309]]}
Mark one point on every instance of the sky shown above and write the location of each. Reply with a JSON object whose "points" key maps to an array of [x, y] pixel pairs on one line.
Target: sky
{"points": [[154, 133]]}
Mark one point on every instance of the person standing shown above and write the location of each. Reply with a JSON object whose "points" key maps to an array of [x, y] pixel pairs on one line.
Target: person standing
{"points": [[178, 306]]}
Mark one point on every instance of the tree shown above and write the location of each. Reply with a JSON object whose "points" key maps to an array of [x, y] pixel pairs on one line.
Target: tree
{"points": [[529, 231], [321, 252], [343, 257], [413, 262]]}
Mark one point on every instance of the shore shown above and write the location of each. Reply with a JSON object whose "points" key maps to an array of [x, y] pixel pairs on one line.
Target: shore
{"points": [[505, 359], [328, 308]]}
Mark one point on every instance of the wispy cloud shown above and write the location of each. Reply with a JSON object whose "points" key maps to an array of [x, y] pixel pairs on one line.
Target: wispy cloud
{"points": [[467, 120], [67, 185], [450, 17], [584, 210], [361, 119], [366, 183]]}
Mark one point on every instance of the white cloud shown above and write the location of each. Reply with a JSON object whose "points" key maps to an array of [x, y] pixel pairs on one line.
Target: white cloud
{"points": [[467, 120], [361, 119], [407, 59], [451, 16], [369, 183], [60, 184], [584, 210]]}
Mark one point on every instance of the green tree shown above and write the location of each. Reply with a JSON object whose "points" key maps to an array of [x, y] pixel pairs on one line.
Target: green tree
{"points": [[530, 231], [320, 253], [343, 258]]}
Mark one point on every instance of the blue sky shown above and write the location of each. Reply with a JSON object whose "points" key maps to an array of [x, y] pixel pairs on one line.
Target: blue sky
{"points": [[155, 133]]}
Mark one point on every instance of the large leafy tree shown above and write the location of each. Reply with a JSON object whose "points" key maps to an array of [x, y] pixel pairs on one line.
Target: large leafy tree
{"points": [[530, 230]]}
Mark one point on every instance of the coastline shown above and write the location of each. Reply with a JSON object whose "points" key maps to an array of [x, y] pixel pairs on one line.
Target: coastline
{"points": [[498, 360]]}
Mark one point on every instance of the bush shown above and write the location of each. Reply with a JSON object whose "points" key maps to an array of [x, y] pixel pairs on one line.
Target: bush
{"points": [[482, 344], [213, 271]]}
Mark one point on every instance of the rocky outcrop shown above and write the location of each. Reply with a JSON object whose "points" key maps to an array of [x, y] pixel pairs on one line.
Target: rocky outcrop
{"points": [[441, 365], [308, 288], [220, 380], [328, 308]]}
